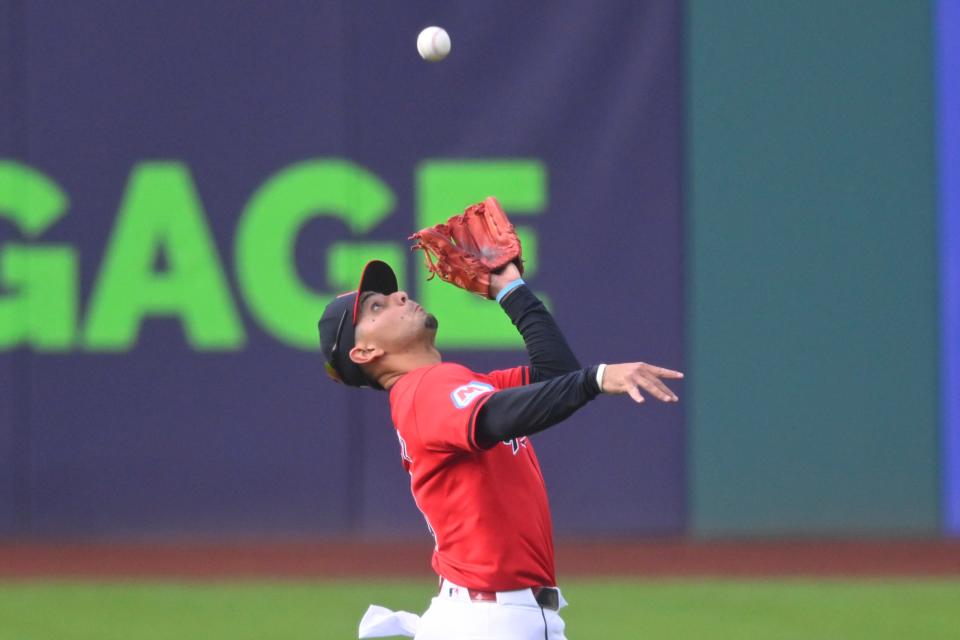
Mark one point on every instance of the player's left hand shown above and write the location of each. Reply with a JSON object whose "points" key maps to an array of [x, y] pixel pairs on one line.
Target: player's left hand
{"points": [[503, 277], [469, 248]]}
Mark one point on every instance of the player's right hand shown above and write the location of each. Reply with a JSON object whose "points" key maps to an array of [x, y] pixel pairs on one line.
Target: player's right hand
{"points": [[631, 377]]}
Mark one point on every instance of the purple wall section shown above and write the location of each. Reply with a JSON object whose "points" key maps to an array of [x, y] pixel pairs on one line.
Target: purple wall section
{"points": [[8, 455], [9, 419], [948, 50], [163, 440]]}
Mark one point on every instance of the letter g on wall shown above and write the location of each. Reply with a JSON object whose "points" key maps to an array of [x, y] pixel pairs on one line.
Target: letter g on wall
{"points": [[38, 283], [266, 238]]}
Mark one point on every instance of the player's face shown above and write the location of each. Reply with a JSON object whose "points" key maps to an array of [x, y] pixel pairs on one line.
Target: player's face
{"points": [[393, 322]]}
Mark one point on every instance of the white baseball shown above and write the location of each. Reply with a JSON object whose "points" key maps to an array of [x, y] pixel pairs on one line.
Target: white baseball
{"points": [[433, 44]]}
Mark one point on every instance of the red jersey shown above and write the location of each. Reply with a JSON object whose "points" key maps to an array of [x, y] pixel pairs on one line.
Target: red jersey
{"points": [[487, 508]]}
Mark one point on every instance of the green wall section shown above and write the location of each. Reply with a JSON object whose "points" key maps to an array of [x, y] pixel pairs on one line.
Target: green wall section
{"points": [[812, 276]]}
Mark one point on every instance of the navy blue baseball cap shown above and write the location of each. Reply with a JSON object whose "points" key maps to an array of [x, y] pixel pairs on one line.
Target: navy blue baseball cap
{"points": [[338, 323]]}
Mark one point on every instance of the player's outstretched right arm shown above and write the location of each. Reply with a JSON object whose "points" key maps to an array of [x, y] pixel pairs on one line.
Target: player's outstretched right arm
{"points": [[523, 411]]}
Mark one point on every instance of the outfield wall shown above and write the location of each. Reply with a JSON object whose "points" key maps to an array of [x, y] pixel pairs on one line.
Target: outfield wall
{"points": [[812, 268], [744, 190], [189, 183]]}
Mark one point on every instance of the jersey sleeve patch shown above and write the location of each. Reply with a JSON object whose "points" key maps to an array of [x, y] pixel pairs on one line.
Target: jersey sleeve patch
{"points": [[463, 395]]}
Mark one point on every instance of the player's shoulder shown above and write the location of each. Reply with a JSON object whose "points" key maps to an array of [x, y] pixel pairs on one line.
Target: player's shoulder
{"points": [[444, 375], [444, 379], [450, 370], [432, 376], [453, 385]]}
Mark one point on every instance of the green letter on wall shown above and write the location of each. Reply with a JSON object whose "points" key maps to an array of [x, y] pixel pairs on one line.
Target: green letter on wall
{"points": [[446, 187], [161, 213], [267, 233], [42, 311]]}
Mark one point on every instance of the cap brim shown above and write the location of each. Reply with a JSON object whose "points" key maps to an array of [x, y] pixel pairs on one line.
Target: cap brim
{"points": [[377, 276]]}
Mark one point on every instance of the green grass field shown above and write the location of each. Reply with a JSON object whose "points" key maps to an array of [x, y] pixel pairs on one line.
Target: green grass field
{"points": [[782, 609]]}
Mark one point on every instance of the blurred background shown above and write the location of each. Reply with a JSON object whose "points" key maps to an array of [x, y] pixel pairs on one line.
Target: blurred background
{"points": [[762, 194]]}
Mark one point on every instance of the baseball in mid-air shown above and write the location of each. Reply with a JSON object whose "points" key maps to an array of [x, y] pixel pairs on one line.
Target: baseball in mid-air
{"points": [[433, 44]]}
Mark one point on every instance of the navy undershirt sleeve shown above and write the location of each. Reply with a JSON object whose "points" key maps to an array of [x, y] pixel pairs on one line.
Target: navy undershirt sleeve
{"points": [[549, 353], [523, 411], [558, 385]]}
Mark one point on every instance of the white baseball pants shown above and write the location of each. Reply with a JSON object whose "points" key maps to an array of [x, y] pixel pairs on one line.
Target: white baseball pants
{"points": [[452, 615], [514, 616]]}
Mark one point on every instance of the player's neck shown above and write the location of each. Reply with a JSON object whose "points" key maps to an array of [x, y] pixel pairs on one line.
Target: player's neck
{"points": [[427, 356]]}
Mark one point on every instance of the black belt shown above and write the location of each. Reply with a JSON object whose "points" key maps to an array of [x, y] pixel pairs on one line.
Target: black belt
{"points": [[546, 597]]}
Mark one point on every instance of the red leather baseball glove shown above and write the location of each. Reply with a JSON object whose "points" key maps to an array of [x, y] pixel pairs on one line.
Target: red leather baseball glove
{"points": [[468, 247]]}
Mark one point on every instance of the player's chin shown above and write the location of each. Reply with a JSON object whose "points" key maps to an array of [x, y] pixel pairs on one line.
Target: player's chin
{"points": [[431, 322]]}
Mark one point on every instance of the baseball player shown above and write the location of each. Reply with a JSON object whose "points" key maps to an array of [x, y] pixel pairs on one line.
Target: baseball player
{"points": [[464, 440]]}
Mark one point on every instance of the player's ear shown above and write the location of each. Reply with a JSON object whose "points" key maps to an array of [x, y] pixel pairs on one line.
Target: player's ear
{"points": [[365, 355]]}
